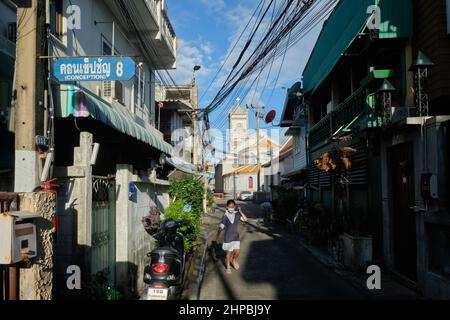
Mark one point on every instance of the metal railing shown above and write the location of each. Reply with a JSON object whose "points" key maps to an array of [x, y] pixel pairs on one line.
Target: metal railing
{"points": [[344, 113], [167, 31]]}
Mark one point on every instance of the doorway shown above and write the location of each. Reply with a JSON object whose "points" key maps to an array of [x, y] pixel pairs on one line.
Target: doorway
{"points": [[404, 218]]}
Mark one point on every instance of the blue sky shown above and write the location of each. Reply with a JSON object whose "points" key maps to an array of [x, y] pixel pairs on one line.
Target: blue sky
{"points": [[207, 29]]}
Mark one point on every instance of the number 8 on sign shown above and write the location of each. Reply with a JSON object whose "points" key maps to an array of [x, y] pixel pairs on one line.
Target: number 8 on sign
{"points": [[119, 69]]}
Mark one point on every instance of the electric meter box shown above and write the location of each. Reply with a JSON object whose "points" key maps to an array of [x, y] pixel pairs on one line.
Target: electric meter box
{"points": [[17, 237]]}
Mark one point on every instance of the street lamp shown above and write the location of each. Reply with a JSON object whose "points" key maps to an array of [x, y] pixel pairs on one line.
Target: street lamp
{"points": [[196, 68], [385, 93], [420, 69]]}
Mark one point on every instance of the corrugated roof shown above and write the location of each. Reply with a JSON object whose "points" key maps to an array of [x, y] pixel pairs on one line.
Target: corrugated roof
{"points": [[78, 102]]}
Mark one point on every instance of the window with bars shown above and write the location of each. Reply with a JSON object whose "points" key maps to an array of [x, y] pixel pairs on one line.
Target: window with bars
{"points": [[12, 32]]}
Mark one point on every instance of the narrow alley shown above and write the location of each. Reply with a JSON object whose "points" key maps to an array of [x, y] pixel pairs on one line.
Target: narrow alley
{"points": [[273, 266]]}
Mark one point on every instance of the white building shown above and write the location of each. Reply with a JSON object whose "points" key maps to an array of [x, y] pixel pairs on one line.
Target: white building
{"points": [[241, 179], [240, 166], [275, 169], [177, 119], [101, 202]]}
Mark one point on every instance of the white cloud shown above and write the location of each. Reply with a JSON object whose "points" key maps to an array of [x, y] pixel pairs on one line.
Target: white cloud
{"points": [[214, 4], [188, 55]]}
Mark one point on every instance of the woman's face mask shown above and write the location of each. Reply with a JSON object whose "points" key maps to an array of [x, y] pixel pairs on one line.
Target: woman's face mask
{"points": [[231, 210]]}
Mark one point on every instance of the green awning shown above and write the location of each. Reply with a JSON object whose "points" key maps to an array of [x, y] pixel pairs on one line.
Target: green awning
{"points": [[344, 25], [80, 103]]}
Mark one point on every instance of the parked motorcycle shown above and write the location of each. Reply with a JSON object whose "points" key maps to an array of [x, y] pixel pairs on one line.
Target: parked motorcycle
{"points": [[164, 273]]}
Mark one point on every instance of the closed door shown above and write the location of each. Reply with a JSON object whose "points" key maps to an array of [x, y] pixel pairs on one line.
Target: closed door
{"points": [[404, 218]]}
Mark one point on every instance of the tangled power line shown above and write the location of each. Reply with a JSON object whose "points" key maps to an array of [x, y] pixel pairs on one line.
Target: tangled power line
{"points": [[269, 37]]}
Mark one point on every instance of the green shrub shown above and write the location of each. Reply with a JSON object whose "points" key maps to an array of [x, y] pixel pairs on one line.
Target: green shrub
{"points": [[186, 191], [190, 190], [175, 212]]}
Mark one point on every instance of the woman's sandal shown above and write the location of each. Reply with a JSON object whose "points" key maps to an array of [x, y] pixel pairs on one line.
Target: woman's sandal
{"points": [[228, 271], [235, 265]]}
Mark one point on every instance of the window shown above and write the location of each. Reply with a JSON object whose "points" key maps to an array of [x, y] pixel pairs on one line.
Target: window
{"points": [[12, 32], [106, 47], [57, 18]]}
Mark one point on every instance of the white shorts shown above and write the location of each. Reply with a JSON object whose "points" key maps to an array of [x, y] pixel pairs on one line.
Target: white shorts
{"points": [[235, 245]]}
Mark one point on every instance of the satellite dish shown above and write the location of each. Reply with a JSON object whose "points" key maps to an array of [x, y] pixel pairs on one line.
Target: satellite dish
{"points": [[271, 116]]}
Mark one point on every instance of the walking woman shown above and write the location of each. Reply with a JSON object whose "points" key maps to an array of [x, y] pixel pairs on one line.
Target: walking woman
{"points": [[232, 244]]}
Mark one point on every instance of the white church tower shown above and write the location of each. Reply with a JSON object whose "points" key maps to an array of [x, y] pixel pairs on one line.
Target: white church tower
{"points": [[237, 136], [238, 120]]}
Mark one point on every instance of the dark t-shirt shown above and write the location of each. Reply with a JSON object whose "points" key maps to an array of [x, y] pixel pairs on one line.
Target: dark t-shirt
{"points": [[231, 228]]}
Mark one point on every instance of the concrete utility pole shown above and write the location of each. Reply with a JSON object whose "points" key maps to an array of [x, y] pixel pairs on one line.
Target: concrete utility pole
{"points": [[29, 92], [258, 114]]}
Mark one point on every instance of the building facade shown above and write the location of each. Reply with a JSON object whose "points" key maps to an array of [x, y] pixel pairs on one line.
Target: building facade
{"points": [[177, 119], [109, 156], [375, 97]]}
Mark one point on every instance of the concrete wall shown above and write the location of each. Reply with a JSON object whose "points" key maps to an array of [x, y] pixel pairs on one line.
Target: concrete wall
{"points": [[241, 182], [36, 282], [74, 214], [133, 242]]}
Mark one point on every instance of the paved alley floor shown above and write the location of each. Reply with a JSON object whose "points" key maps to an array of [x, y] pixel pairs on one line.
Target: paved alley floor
{"points": [[273, 266]]}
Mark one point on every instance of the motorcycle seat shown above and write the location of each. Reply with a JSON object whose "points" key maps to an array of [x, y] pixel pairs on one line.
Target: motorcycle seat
{"points": [[166, 250]]}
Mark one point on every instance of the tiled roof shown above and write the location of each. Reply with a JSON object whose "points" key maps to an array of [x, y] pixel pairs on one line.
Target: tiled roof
{"points": [[245, 170]]}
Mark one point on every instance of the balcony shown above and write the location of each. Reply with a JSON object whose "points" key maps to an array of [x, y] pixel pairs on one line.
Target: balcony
{"points": [[357, 112], [153, 27]]}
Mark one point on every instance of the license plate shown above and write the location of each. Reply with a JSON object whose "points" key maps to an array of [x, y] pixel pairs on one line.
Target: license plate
{"points": [[157, 294]]}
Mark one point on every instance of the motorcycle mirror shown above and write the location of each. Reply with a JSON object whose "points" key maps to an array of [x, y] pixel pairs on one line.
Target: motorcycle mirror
{"points": [[170, 224]]}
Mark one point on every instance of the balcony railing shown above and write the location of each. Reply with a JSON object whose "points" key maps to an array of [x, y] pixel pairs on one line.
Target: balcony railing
{"points": [[361, 103], [167, 31]]}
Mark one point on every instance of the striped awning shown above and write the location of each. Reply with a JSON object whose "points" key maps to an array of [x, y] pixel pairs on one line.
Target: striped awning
{"points": [[79, 103]]}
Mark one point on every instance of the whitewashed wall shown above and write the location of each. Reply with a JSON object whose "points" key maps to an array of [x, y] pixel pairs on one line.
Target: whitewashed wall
{"points": [[132, 240], [241, 182]]}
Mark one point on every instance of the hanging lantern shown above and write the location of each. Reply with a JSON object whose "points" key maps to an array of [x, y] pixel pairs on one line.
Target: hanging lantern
{"points": [[385, 94], [420, 68]]}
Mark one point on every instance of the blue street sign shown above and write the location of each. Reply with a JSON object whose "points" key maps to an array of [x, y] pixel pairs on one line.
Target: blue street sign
{"points": [[94, 69]]}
